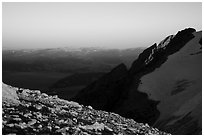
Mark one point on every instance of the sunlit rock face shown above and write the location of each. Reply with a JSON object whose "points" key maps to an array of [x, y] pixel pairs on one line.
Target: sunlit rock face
{"points": [[8, 96], [162, 87]]}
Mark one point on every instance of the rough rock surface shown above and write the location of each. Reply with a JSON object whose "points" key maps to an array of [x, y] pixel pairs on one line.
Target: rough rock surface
{"points": [[33, 112], [9, 96]]}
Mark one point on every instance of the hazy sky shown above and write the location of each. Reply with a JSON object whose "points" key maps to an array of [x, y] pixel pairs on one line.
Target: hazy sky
{"points": [[114, 25]]}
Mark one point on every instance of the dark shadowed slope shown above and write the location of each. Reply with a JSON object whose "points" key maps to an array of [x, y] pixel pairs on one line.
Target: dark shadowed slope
{"points": [[165, 77], [69, 86]]}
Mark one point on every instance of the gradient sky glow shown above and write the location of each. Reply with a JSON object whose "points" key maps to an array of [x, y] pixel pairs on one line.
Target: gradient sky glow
{"points": [[110, 25]]}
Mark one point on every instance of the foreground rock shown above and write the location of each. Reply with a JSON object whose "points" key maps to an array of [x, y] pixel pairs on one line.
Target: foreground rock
{"points": [[30, 112]]}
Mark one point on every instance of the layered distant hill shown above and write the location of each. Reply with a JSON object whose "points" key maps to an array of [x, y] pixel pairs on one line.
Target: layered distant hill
{"points": [[67, 59], [41, 68], [163, 87]]}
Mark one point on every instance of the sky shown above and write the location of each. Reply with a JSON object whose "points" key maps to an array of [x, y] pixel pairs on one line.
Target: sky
{"points": [[109, 25]]}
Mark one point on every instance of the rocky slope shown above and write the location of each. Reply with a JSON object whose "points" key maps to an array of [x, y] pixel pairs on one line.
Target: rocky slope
{"points": [[32, 112], [162, 87]]}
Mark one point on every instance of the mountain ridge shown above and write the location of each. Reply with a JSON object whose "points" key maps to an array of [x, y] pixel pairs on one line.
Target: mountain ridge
{"points": [[130, 101]]}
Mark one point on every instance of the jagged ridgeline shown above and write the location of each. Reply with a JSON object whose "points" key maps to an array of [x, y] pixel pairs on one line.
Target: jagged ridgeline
{"points": [[163, 87], [32, 112]]}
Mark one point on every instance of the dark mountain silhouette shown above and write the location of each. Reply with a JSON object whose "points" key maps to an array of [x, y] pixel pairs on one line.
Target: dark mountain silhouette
{"points": [[69, 86], [151, 91], [77, 79]]}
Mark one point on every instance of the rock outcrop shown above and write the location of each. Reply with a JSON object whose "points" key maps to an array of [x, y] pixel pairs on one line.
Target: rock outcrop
{"points": [[8, 96], [31, 112]]}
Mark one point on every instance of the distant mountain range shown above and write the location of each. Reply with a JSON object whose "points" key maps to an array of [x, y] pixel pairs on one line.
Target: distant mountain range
{"points": [[42, 68], [163, 87], [67, 59]]}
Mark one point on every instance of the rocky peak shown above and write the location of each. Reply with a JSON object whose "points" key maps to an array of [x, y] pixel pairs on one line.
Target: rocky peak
{"points": [[36, 113], [8, 96], [162, 46], [158, 54], [165, 42]]}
